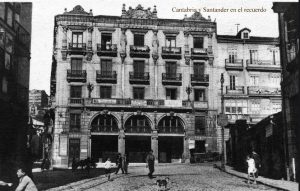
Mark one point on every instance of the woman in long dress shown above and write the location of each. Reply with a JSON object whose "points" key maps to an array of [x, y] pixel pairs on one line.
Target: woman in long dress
{"points": [[251, 169]]}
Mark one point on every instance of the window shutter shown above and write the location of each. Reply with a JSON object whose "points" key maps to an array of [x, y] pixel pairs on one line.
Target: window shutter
{"points": [[113, 91]]}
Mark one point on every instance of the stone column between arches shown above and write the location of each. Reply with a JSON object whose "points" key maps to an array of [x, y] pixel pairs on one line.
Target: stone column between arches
{"points": [[121, 142], [154, 145]]}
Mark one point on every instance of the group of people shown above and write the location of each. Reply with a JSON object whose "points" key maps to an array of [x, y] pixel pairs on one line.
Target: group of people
{"points": [[253, 161], [121, 163]]}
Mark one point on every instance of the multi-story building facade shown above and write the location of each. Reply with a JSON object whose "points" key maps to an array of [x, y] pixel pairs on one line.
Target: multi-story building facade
{"points": [[288, 17], [132, 83], [38, 100], [15, 38]]}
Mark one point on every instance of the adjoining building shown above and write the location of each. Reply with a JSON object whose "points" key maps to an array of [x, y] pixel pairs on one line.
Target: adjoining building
{"points": [[132, 83], [288, 17], [38, 102], [15, 39]]}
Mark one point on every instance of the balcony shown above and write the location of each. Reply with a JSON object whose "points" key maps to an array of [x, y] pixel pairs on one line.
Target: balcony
{"points": [[76, 75], [170, 130], [106, 76], [201, 104], [172, 79], [76, 101], [139, 78], [107, 50], [236, 64], [199, 54], [139, 51], [171, 53], [237, 90], [200, 80], [104, 129], [137, 129], [263, 91], [77, 48], [263, 65]]}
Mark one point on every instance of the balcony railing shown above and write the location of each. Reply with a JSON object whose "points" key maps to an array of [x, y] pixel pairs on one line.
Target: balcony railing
{"points": [[171, 130], [237, 90], [156, 102], [76, 101], [76, 75], [104, 128], [137, 129], [263, 65], [77, 48], [234, 64], [263, 91], [139, 51], [107, 50], [106, 76], [139, 77], [199, 54], [197, 79], [171, 53], [201, 104], [172, 78]]}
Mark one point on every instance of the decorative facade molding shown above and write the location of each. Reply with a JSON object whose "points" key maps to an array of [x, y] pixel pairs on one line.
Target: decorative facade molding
{"points": [[197, 16], [139, 13], [77, 10]]}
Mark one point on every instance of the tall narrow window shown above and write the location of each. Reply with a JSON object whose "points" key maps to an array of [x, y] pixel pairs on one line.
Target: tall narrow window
{"points": [[200, 125], [105, 92], [232, 82], [198, 69], [254, 80], [76, 64], [232, 56], [138, 40], [198, 42], [77, 39], [253, 56], [199, 95], [274, 57], [138, 68], [170, 41], [75, 121], [138, 93], [106, 68], [75, 91], [171, 69], [106, 41], [171, 93]]}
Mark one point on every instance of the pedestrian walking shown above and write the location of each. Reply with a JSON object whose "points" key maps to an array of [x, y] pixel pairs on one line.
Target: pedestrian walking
{"points": [[119, 163], [107, 167], [150, 159], [125, 163], [25, 182], [257, 161], [251, 169]]}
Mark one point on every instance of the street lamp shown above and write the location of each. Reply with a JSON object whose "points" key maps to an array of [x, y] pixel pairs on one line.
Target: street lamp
{"points": [[222, 112], [189, 91]]}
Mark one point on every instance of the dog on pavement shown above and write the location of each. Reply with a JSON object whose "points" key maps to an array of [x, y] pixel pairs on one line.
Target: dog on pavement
{"points": [[162, 183]]}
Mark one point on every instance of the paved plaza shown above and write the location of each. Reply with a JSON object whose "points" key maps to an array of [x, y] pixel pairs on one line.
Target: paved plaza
{"points": [[182, 177]]}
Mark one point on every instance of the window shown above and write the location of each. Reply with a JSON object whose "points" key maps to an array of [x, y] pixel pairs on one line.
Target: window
{"points": [[105, 92], [106, 41], [76, 92], [171, 93], [170, 41], [9, 17], [138, 93], [254, 80], [246, 35], [199, 95], [138, 40], [138, 67], [200, 125], [253, 56], [106, 68], [2, 10], [199, 69], [232, 56], [77, 39], [76, 64], [4, 84], [198, 42], [75, 121], [7, 61], [292, 38], [171, 69], [232, 82]]}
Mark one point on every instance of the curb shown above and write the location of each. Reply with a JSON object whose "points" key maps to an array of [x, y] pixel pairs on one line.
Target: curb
{"points": [[260, 182]]}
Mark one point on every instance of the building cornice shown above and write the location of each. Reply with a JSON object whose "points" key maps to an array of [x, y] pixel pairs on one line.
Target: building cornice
{"points": [[251, 40]]}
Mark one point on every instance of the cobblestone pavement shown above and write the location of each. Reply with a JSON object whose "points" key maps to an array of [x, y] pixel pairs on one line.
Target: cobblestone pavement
{"points": [[182, 177]]}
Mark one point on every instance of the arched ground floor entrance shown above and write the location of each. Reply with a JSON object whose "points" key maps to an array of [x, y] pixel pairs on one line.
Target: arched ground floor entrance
{"points": [[170, 149], [104, 146], [137, 148]]}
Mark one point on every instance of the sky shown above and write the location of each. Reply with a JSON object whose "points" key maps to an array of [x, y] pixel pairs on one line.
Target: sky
{"points": [[261, 23]]}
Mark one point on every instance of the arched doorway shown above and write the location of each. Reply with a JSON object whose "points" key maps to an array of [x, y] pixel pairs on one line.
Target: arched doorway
{"points": [[104, 137], [138, 138], [170, 139]]}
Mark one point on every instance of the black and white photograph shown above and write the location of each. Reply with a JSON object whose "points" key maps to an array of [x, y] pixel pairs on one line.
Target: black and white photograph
{"points": [[148, 95]]}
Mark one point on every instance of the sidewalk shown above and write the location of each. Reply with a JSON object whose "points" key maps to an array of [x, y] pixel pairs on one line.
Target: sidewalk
{"points": [[279, 184]]}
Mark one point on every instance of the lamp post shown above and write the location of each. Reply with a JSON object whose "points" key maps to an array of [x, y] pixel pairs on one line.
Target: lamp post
{"points": [[222, 112], [189, 91]]}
